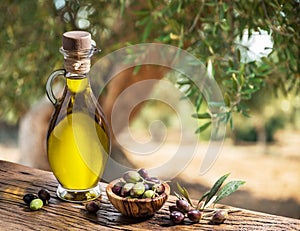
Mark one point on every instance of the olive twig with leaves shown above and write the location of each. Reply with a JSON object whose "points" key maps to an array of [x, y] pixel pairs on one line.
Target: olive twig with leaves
{"points": [[186, 208]]}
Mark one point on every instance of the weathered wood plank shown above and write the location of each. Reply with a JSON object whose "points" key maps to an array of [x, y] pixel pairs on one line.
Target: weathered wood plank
{"points": [[16, 180]]}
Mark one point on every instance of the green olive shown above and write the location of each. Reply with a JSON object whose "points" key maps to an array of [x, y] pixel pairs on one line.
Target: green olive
{"points": [[149, 194], [137, 190], [36, 204], [125, 191], [131, 176]]}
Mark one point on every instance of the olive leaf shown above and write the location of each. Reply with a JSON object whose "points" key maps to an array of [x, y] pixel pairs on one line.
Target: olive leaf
{"points": [[178, 196], [228, 189], [198, 102], [201, 116], [217, 185], [210, 202], [215, 194], [184, 193], [203, 127], [203, 196]]}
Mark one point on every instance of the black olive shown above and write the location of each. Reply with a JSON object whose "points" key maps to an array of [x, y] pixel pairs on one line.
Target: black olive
{"points": [[183, 205], [92, 206], [219, 217], [27, 198], [44, 195], [194, 215], [177, 217]]}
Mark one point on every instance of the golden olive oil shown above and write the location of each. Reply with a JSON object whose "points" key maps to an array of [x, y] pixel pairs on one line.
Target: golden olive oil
{"points": [[78, 142], [76, 154]]}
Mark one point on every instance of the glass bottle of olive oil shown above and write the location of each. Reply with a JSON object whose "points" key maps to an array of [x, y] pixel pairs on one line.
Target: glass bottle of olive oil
{"points": [[78, 142]]}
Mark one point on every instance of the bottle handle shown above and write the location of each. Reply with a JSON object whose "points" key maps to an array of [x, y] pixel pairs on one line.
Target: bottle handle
{"points": [[49, 89]]}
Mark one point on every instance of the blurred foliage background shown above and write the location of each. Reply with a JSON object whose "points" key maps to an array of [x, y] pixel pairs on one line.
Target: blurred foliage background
{"points": [[251, 48]]}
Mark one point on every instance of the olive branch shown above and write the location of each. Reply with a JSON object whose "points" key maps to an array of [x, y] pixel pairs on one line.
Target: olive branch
{"points": [[212, 196]]}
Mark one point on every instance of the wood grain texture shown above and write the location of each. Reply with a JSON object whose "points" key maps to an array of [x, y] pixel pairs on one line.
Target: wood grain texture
{"points": [[16, 180]]}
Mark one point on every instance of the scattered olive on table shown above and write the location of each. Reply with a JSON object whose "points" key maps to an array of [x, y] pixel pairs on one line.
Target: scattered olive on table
{"points": [[92, 206], [177, 217], [27, 198], [194, 215], [44, 195], [181, 210], [36, 202], [219, 217], [183, 205]]}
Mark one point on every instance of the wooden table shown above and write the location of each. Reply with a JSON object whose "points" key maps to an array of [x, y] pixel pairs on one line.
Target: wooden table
{"points": [[17, 180]]}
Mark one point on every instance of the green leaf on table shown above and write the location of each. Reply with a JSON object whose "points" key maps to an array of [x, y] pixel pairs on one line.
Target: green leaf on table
{"points": [[215, 188], [200, 200], [203, 196], [178, 196], [228, 189]]}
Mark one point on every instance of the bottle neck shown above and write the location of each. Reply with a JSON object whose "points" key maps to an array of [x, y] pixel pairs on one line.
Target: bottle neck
{"points": [[78, 62], [77, 65]]}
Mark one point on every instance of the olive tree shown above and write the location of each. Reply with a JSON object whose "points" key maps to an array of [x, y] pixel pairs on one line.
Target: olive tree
{"points": [[219, 33]]}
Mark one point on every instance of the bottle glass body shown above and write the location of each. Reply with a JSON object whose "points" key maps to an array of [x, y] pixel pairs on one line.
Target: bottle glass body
{"points": [[78, 142]]}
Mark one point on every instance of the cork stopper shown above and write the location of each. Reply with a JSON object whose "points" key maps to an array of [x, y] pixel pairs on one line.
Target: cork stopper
{"points": [[76, 40]]}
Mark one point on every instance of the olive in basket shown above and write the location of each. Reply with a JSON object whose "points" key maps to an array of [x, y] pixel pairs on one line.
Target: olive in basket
{"points": [[136, 194]]}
